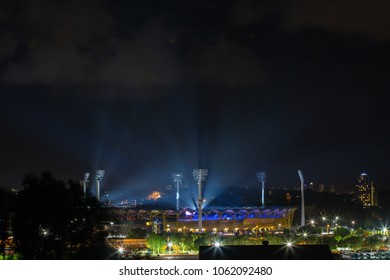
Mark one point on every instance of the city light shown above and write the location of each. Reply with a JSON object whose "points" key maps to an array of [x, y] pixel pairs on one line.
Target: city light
{"points": [[121, 250], [217, 244]]}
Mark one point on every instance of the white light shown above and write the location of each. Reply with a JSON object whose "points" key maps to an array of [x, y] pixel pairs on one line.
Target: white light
{"points": [[170, 244], [217, 244], [289, 244], [120, 250]]}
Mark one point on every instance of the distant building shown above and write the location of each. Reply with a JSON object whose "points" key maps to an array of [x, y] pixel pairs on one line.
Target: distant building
{"points": [[365, 191]]}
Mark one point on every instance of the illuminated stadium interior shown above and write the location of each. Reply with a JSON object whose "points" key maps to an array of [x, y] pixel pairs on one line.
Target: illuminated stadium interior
{"points": [[214, 220]]}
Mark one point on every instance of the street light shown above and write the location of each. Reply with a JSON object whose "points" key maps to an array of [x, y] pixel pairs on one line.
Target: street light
{"points": [[262, 177], [335, 221], [200, 175], [85, 182], [177, 178], [300, 174], [99, 177], [323, 218]]}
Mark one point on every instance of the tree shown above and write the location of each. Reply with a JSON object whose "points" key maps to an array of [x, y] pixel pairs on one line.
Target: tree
{"points": [[361, 232], [340, 233], [354, 242], [42, 213], [6, 201], [157, 242], [373, 242], [309, 229], [184, 242], [274, 239], [52, 220], [331, 242]]}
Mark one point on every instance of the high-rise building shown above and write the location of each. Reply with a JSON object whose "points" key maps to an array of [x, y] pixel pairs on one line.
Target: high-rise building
{"points": [[365, 191]]}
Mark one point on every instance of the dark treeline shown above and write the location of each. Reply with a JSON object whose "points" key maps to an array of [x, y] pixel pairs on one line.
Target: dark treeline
{"points": [[49, 219]]}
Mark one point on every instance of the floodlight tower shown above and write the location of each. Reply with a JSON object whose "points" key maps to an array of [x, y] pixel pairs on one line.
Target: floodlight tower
{"points": [[177, 177], [262, 177], [302, 198], [199, 176], [85, 182], [98, 177]]}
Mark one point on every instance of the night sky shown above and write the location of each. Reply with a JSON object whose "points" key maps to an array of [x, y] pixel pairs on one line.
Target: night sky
{"points": [[146, 88]]}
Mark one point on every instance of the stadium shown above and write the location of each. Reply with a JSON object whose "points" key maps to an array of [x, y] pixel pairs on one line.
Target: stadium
{"points": [[226, 221]]}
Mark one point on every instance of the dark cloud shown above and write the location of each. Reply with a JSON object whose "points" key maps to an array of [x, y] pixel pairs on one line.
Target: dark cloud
{"points": [[229, 64], [145, 60], [247, 12], [361, 17], [56, 39], [370, 18], [8, 45], [83, 44]]}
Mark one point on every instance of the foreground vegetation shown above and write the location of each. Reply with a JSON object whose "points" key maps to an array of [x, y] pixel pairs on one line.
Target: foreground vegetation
{"points": [[342, 238]]}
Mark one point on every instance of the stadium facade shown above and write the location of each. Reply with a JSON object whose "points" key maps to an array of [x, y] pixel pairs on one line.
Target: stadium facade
{"points": [[214, 220]]}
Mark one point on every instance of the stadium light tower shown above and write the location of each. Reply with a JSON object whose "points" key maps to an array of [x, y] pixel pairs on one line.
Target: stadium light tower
{"points": [[302, 198], [85, 182], [199, 176], [177, 177], [262, 177], [98, 177]]}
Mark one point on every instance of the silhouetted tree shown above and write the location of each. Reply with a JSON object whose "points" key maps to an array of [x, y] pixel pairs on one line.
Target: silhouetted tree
{"points": [[42, 213], [52, 220], [6, 201]]}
